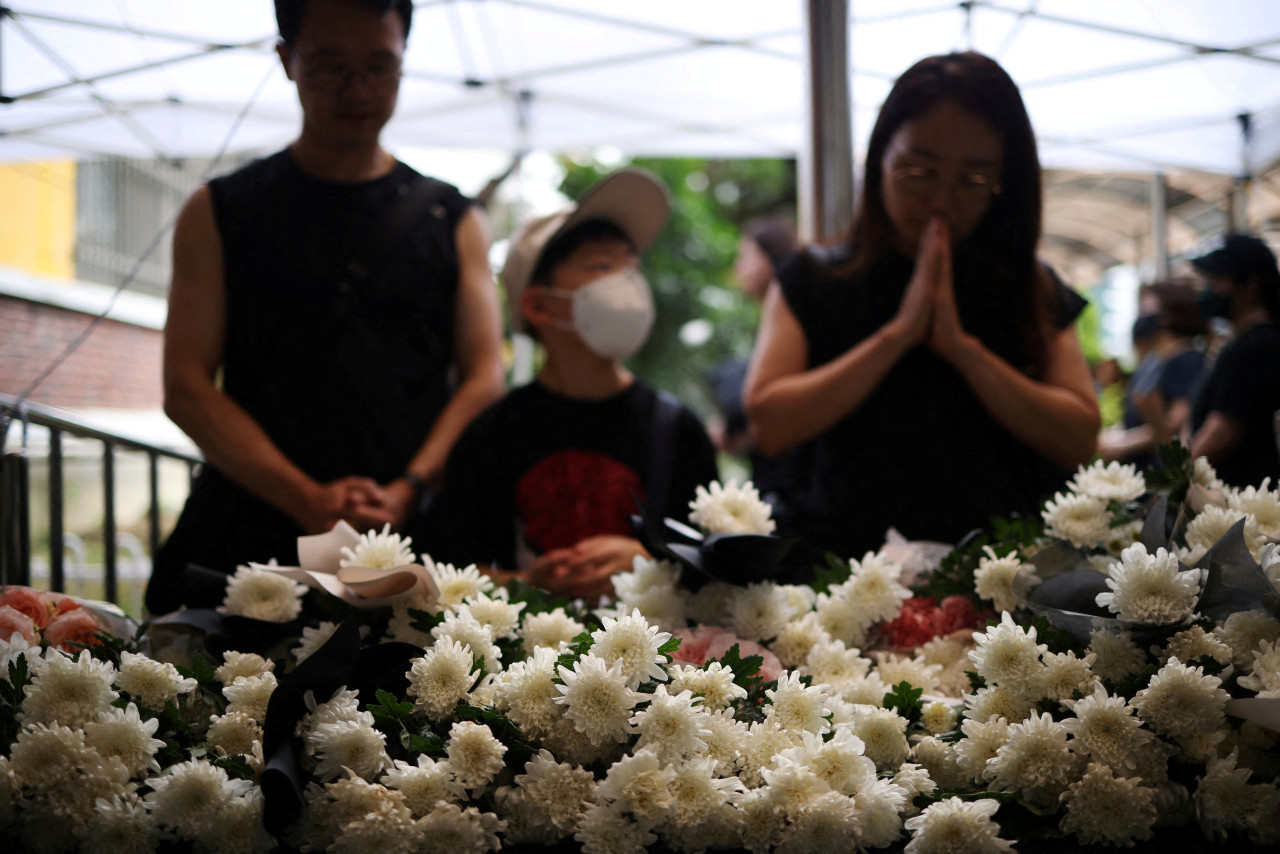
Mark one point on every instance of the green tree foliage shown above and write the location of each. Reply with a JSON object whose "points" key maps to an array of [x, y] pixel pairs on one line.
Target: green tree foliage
{"points": [[690, 265]]}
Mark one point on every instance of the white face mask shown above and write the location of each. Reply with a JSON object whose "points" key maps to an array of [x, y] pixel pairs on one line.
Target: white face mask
{"points": [[613, 314]]}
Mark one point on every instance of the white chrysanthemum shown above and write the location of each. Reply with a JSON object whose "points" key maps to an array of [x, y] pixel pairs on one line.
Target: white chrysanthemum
{"points": [[69, 691], [312, 639], [608, 828], [189, 797], [764, 742], [981, 742], [558, 789], [731, 509], [938, 718], [760, 611], [952, 653], [828, 824], [1064, 675], [250, 694], [1223, 798], [915, 780], [762, 823], [1036, 761], [840, 761], [953, 825], [795, 706], [50, 761], [1181, 701], [527, 692], [342, 705], [1082, 520], [15, 647], [241, 829], [709, 604], [151, 683], [883, 733], [879, 806], [495, 611], [1148, 588], [260, 594], [552, 629], [894, 668], [1007, 654], [353, 745], [794, 642], [672, 724], [378, 550], [336, 805], [1245, 631], [993, 579], [875, 584], [1105, 729], [123, 734], [1105, 809], [1116, 656], [598, 698], [440, 678], [724, 739], [465, 831], [646, 574], [697, 794], [1111, 481], [834, 664], [1212, 523], [1264, 671], [457, 585], [458, 627], [425, 785], [475, 755], [998, 701], [714, 682], [120, 825], [640, 783], [843, 617], [237, 664], [634, 644], [867, 691], [1122, 536], [939, 759], [234, 734], [791, 786], [1261, 503], [1193, 642], [1204, 474], [406, 614]]}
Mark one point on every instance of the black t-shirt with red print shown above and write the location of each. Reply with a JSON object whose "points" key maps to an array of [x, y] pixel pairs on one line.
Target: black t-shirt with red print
{"points": [[540, 471]]}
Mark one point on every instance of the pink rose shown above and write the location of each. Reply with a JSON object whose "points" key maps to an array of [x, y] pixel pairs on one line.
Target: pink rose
{"points": [[694, 644], [72, 630], [12, 620], [60, 602], [700, 645], [36, 604]]}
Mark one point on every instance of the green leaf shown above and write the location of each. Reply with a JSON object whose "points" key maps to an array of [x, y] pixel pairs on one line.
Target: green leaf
{"points": [[905, 700], [745, 670], [389, 708]]}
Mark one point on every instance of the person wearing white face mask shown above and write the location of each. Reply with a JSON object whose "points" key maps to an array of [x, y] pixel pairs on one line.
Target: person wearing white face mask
{"points": [[543, 485]]}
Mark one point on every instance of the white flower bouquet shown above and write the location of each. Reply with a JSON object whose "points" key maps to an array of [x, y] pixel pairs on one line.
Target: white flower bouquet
{"points": [[762, 717]]}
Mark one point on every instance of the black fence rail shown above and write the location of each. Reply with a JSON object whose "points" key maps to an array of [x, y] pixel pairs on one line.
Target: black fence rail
{"points": [[16, 495]]}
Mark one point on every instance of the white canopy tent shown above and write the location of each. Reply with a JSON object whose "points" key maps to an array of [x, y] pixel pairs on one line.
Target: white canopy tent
{"points": [[1137, 86]]}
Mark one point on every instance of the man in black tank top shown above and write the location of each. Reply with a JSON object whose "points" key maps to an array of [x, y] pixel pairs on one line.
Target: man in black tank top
{"points": [[333, 324]]}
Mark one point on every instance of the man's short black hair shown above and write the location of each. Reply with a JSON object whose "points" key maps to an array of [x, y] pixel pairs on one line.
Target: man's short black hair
{"points": [[564, 245], [289, 14]]}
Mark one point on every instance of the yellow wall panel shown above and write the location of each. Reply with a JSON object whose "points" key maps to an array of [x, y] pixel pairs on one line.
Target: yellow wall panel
{"points": [[38, 217]]}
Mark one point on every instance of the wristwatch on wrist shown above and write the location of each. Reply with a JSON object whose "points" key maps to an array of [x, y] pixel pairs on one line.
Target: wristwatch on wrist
{"points": [[418, 484]]}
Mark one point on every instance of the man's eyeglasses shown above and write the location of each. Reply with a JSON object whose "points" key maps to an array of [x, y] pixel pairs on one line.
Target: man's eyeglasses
{"points": [[923, 181], [332, 78]]}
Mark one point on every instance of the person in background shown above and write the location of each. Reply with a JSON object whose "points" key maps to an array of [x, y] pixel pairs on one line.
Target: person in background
{"points": [[763, 244], [333, 323], [1170, 346], [930, 357], [543, 485], [1234, 417]]}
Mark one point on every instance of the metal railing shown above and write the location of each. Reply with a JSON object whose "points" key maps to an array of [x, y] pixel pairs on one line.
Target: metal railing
{"points": [[16, 492]]}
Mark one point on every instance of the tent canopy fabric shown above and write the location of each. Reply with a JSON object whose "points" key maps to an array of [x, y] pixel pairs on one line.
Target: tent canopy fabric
{"points": [[1186, 87], [1119, 85]]}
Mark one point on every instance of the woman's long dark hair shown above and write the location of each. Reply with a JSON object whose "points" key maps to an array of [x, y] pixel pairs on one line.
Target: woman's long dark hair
{"points": [[1005, 241]]}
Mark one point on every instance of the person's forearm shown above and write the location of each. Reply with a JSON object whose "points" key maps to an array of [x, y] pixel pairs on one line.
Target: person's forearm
{"points": [[1052, 420], [471, 398], [795, 408], [235, 444]]}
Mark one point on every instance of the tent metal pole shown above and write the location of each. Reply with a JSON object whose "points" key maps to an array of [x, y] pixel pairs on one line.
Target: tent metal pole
{"points": [[1160, 226], [826, 162]]}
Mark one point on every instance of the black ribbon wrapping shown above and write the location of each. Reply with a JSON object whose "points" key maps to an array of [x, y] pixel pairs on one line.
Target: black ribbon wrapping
{"points": [[734, 558], [1067, 593]]}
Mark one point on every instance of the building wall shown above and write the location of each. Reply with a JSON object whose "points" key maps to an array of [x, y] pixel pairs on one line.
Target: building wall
{"points": [[116, 367], [38, 217]]}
